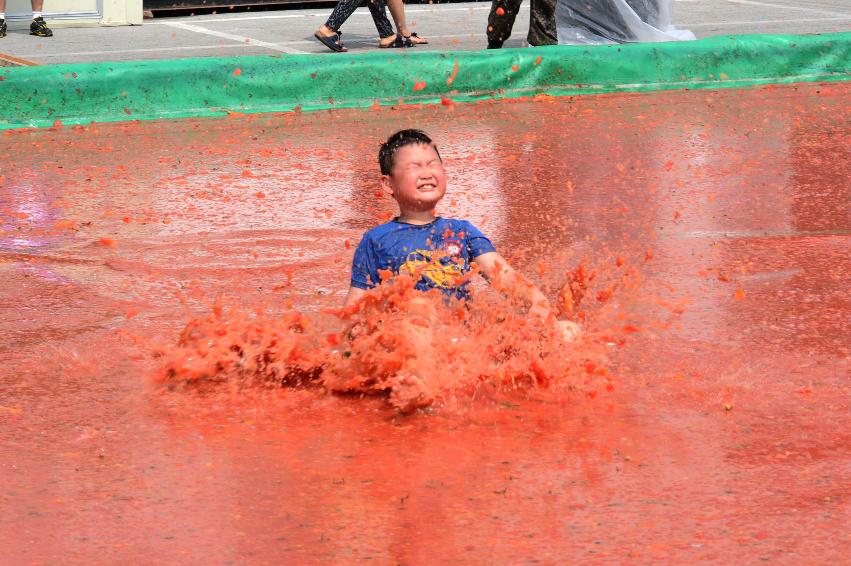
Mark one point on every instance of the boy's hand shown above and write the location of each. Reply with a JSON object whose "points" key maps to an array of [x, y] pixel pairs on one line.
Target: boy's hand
{"points": [[495, 268], [570, 331]]}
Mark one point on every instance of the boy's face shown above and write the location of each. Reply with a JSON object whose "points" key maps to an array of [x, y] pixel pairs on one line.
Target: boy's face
{"points": [[417, 180]]}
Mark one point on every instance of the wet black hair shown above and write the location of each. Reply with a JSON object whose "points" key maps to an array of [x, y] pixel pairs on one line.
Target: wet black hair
{"points": [[402, 138]]}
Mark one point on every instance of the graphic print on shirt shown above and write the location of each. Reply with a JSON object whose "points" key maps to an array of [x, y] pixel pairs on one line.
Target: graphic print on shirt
{"points": [[442, 267]]}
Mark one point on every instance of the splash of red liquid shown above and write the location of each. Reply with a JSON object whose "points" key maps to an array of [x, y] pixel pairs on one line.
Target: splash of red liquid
{"points": [[415, 348]]}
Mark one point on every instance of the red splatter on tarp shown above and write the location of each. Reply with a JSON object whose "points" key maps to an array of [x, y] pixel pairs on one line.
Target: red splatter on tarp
{"points": [[452, 75]]}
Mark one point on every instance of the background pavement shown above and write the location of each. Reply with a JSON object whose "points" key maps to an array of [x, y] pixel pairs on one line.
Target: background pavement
{"points": [[447, 26]]}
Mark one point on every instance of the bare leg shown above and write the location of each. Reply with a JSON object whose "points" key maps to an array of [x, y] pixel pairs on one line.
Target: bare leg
{"points": [[397, 11], [36, 4]]}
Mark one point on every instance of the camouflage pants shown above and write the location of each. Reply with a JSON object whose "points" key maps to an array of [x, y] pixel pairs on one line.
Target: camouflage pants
{"points": [[542, 22]]}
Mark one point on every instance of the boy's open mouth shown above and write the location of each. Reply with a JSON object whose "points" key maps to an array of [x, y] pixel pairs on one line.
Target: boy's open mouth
{"points": [[426, 187]]}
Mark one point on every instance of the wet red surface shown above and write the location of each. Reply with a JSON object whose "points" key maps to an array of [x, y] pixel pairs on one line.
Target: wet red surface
{"points": [[719, 433]]}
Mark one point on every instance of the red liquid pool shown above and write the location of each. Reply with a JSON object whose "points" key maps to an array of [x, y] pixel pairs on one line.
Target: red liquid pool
{"points": [[712, 426]]}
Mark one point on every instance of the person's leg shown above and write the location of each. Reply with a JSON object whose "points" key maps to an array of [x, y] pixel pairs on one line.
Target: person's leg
{"points": [[378, 10], [542, 23], [2, 18], [339, 15], [501, 20], [397, 10], [38, 27]]}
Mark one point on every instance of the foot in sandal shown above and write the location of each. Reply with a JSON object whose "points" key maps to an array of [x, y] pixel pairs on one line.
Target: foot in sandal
{"points": [[330, 38], [396, 42], [415, 39]]}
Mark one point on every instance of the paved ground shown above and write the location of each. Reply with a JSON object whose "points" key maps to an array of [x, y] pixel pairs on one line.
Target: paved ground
{"points": [[448, 26]]}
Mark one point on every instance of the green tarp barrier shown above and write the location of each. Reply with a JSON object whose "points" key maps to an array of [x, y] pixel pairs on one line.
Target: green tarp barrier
{"points": [[180, 88]]}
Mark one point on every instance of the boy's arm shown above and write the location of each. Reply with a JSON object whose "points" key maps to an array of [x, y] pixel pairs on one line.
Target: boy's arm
{"points": [[363, 270], [494, 267], [354, 295]]}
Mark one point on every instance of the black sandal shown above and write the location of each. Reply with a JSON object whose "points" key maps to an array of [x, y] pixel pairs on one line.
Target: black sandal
{"points": [[332, 42], [398, 42], [421, 40]]}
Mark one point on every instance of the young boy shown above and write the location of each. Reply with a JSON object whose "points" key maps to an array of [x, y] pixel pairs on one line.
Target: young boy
{"points": [[440, 251]]}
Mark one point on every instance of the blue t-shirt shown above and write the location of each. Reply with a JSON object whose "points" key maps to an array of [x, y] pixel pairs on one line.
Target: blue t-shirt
{"points": [[441, 251]]}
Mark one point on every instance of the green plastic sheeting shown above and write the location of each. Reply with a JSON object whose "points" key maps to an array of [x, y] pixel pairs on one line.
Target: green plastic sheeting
{"points": [[164, 89]]}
